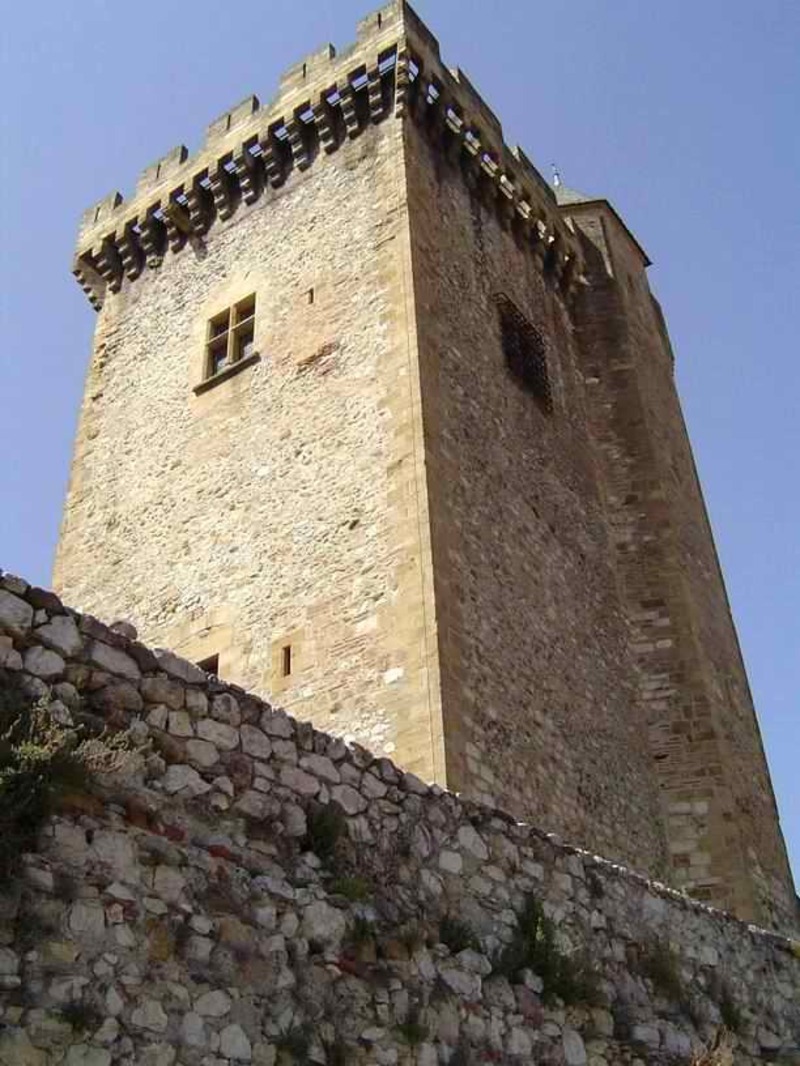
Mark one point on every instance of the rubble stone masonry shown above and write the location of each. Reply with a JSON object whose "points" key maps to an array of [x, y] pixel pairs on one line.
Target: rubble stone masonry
{"points": [[247, 889]]}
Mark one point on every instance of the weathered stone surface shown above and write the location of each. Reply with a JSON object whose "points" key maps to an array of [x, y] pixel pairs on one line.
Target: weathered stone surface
{"points": [[62, 635], [255, 743], [16, 616], [150, 1015], [86, 1055], [574, 1050], [299, 781], [276, 724], [43, 663], [163, 690], [470, 841], [114, 660], [235, 1045], [321, 767], [223, 736], [201, 753], [213, 1004], [182, 778], [323, 923], [180, 724], [179, 668], [351, 801]]}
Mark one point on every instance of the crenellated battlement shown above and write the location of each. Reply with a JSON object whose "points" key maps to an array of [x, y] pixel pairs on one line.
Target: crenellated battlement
{"points": [[393, 69]]}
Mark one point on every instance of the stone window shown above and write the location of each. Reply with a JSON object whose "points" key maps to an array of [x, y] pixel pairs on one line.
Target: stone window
{"points": [[230, 340], [525, 351]]}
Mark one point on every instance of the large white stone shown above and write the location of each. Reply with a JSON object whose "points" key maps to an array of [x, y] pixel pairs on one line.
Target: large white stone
{"points": [[351, 801], [193, 1030], [62, 635], [150, 1015], [201, 753], [181, 668], [114, 660], [574, 1051], [15, 614], [115, 1004], [322, 923], [218, 733], [87, 920], [10, 658], [9, 962], [182, 778], [299, 781], [213, 1004], [85, 1055], [115, 850], [180, 724], [463, 984], [451, 862], [234, 1044], [255, 743], [277, 724], [321, 766], [168, 883], [520, 1044], [41, 662], [470, 841]]}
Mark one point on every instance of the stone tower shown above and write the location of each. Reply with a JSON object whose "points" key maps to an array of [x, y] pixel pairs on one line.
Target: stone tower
{"points": [[379, 425]]}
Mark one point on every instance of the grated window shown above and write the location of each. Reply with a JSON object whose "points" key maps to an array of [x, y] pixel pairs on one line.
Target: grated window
{"points": [[525, 352]]}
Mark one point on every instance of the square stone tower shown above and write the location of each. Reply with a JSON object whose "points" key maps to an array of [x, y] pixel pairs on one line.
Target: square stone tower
{"points": [[375, 425]]}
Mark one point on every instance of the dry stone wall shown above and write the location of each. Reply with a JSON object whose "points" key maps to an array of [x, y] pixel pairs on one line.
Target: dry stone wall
{"points": [[248, 889]]}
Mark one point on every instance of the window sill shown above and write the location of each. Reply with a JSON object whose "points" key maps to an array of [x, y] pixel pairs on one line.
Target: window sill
{"points": [[226, 373]]}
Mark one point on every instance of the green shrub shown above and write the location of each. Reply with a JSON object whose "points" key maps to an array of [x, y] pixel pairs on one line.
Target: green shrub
{"points": [[325, 827], [294, 1042], [660, 963], [83, 1017], [457, 935], [356, 889], [361, 931], [730, 1012], [534, 947], [412, 1031], [40, 760]]}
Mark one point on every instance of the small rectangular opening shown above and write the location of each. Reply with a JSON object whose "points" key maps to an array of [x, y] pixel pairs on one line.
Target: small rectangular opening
{"points": [[286, 660], [210, 665], [310, 295]]}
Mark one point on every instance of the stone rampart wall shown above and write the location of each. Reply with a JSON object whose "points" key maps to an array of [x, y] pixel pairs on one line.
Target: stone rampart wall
{"points": [[252, 890]]}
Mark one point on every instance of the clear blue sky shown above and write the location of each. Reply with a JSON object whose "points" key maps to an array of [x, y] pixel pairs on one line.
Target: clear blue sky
{"points": [[684, 114]]}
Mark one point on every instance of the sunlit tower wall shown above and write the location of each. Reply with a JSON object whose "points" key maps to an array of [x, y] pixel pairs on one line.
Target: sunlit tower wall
{"points": [[340, 444]]}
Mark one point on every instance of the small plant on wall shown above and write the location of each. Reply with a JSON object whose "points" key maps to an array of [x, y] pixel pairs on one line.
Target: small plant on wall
{"points": [[533, 946]]}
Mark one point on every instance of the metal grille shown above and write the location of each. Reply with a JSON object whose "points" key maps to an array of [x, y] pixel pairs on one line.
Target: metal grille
{"points": [[525, 352]]}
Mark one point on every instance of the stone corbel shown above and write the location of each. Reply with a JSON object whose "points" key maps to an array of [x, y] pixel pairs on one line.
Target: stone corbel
{"points": [[248, 172], [324, 125], [222, 191], [375, 91], [109, 264], [349, 114], [89, 279], [297, 144], [152, 237], [130, 252]]}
